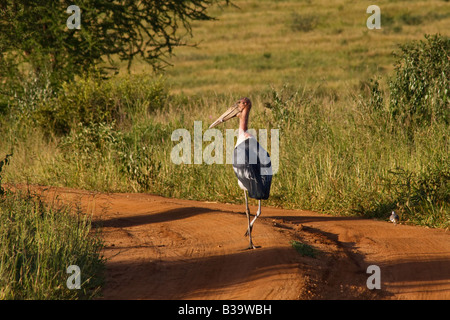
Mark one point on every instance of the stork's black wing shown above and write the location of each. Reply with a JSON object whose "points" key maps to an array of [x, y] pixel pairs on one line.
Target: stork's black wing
{"points": [[253, 168]]}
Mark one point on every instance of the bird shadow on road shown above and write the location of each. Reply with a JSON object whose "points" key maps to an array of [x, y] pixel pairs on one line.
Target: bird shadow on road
{"points": [[124, 221]]}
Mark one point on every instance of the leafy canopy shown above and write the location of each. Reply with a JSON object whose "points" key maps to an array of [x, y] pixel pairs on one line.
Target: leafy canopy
{"points": [[34, 35]]}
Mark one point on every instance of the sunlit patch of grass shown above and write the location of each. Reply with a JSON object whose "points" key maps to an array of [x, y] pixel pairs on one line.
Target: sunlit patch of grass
{"points": [[304, 249]]}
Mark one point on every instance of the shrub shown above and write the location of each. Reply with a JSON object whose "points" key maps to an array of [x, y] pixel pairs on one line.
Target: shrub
{"points": [[282, 105], [422, 197], [88, 145], [99, 157], [420, 89], [21, 98], [376, 97], [304, 23], [90, 157], [93, 100]]}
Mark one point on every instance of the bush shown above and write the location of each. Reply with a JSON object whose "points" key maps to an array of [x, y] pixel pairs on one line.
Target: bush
{"points": [[423, 197], [100, 157], [420, 88], [303, 23], [91, 157], [282, 105], [21, 98], [140, 161], [93, 100], [87, 146]]}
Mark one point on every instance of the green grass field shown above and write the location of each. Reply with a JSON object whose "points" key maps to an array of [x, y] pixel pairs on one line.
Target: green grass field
{"points": [[264, 43], [311, 69]]}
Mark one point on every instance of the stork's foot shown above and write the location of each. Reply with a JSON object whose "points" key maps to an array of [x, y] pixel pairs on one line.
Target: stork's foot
{"points": [[251, 246]]}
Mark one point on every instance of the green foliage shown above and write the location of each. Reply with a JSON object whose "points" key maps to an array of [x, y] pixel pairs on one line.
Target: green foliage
{"points": [[304, 249], [35, 35], [281, 103], [92, 153], [303, 23], [38, 243], [98, 154], [93, 100], [26, 97], [140, 160], [87, 145], [422, 197], [433, 185], [419, 92]]}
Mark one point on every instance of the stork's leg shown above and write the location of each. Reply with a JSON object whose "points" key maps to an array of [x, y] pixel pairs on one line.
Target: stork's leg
{"points": [[247, 210], [258, 213], [249, 230]]}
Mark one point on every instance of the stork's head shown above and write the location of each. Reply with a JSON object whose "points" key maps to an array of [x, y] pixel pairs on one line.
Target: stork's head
{"points": [[242, 106]]}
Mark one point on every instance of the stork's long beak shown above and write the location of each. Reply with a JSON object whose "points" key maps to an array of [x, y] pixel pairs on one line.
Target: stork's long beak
{"points": [[227, 115]]}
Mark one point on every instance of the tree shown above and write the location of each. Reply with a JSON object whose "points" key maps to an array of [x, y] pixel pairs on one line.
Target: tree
{"points": [[34, 36]]}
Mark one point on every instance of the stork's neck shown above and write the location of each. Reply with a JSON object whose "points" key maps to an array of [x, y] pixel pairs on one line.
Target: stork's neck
{"points": [[243, 121]]}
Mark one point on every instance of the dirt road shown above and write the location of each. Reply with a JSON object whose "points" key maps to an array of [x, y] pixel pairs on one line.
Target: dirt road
{"points": [[160, 248]]}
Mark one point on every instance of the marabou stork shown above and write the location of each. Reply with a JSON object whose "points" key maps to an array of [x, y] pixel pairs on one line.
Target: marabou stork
{"points": [[251, 163]]}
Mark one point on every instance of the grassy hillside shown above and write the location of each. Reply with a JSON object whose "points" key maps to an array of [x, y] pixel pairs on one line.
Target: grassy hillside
{"points": [[318, 44]]}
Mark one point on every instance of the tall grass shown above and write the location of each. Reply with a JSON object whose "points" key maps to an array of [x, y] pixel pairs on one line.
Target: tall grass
{"points": [[37, 245]]}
